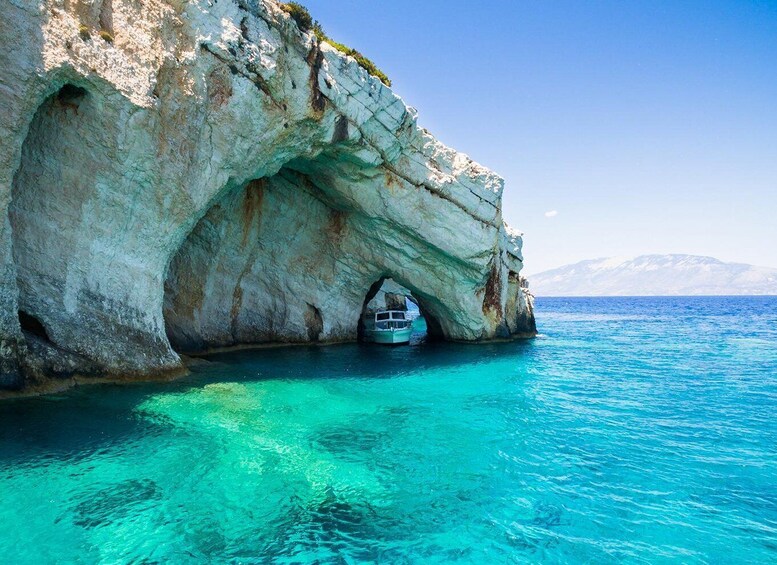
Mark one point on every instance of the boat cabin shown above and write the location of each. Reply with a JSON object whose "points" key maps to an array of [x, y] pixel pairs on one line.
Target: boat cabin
{"points": [[391, 319], [389, 326]]}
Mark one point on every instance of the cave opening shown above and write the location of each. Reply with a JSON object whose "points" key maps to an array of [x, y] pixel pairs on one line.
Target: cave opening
{"points": [[33, 326], [260, 267], [70, 94], [275, 260], [208, 290], [43, 227], [386, 294]]}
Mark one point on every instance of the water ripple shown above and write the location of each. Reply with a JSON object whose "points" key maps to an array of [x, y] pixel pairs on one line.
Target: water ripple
{"points": [[637, 430]]}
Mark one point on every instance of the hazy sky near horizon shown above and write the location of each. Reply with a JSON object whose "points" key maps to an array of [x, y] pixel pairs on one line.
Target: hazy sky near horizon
{"points": [[621, 128]]}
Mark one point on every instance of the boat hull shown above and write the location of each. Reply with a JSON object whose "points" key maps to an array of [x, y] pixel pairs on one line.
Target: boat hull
{"points": [[391, 337]]}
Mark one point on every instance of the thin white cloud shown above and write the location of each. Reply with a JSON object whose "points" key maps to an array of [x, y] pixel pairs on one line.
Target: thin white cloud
{"points": [[551, 213]]}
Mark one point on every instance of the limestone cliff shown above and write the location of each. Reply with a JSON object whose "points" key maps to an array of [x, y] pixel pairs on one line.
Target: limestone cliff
{"points": [[206, 171]]}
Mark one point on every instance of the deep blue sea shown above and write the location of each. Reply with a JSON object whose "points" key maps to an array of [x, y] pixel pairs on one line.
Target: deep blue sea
{"points": [[633, 430]]}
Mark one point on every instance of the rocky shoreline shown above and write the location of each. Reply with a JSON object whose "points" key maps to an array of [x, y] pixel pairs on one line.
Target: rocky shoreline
{"points": [[184, 176]]}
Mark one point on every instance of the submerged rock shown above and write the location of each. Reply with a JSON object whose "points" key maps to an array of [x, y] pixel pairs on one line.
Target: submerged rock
{"points": [[204, 174]]}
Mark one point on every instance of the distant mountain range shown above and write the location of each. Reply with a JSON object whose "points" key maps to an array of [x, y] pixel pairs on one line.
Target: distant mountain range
{"points": [[651, 275]]}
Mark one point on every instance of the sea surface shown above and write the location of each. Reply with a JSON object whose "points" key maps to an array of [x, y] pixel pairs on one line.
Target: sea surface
{"points": [[633, 430]]}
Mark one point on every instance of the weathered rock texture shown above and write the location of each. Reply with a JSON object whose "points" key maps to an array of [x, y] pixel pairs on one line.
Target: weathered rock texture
{"points": [[390, 296], [205, 171]]}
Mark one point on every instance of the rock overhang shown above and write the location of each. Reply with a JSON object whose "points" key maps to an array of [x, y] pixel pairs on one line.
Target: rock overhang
{"points": [[192, 104]]}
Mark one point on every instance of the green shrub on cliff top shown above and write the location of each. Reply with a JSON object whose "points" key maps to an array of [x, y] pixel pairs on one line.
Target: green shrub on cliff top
{"points": [[299, 14], [305, 22], [363, 61]]}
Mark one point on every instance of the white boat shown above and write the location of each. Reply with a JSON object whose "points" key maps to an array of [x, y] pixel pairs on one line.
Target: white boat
{"points": [[389, 327]]}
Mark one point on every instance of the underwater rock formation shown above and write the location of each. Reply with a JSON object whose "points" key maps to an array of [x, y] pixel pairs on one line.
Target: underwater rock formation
{"points": [[205, 174]]}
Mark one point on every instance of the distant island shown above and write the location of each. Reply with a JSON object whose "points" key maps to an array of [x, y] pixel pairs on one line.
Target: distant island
{"points": [[655, 275]]}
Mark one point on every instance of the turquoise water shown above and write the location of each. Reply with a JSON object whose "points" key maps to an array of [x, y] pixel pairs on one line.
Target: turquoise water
{"points": [[632, 430]]}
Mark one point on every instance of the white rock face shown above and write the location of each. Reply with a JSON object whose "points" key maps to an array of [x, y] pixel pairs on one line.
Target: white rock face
{"points": [[651, 275], [391, 296], [206, 171]]}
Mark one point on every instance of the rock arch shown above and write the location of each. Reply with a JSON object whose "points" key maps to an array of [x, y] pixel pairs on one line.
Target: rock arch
{"points": [[289, 258], [151, 153], [276, 260], [433, 327]]}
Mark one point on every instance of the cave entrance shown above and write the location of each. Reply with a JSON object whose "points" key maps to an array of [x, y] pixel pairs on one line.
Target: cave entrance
{"points": [[44, 227], [387, 294]]}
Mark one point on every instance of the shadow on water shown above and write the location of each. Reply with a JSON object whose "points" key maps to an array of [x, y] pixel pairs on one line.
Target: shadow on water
{"points": [[332, 523], [73, 425], [77, 423], [363, 361], [115, 502]]}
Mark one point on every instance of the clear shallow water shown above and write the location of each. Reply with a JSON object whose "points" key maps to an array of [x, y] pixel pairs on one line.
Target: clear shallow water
{"points": [[632, 430]]}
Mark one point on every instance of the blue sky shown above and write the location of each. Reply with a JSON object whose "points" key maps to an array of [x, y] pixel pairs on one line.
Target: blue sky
{"points": [[648, 127]]}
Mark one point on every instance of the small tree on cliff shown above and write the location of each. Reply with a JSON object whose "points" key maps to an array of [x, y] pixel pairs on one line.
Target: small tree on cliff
{"points": [[299, 14], [305, 23]]}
